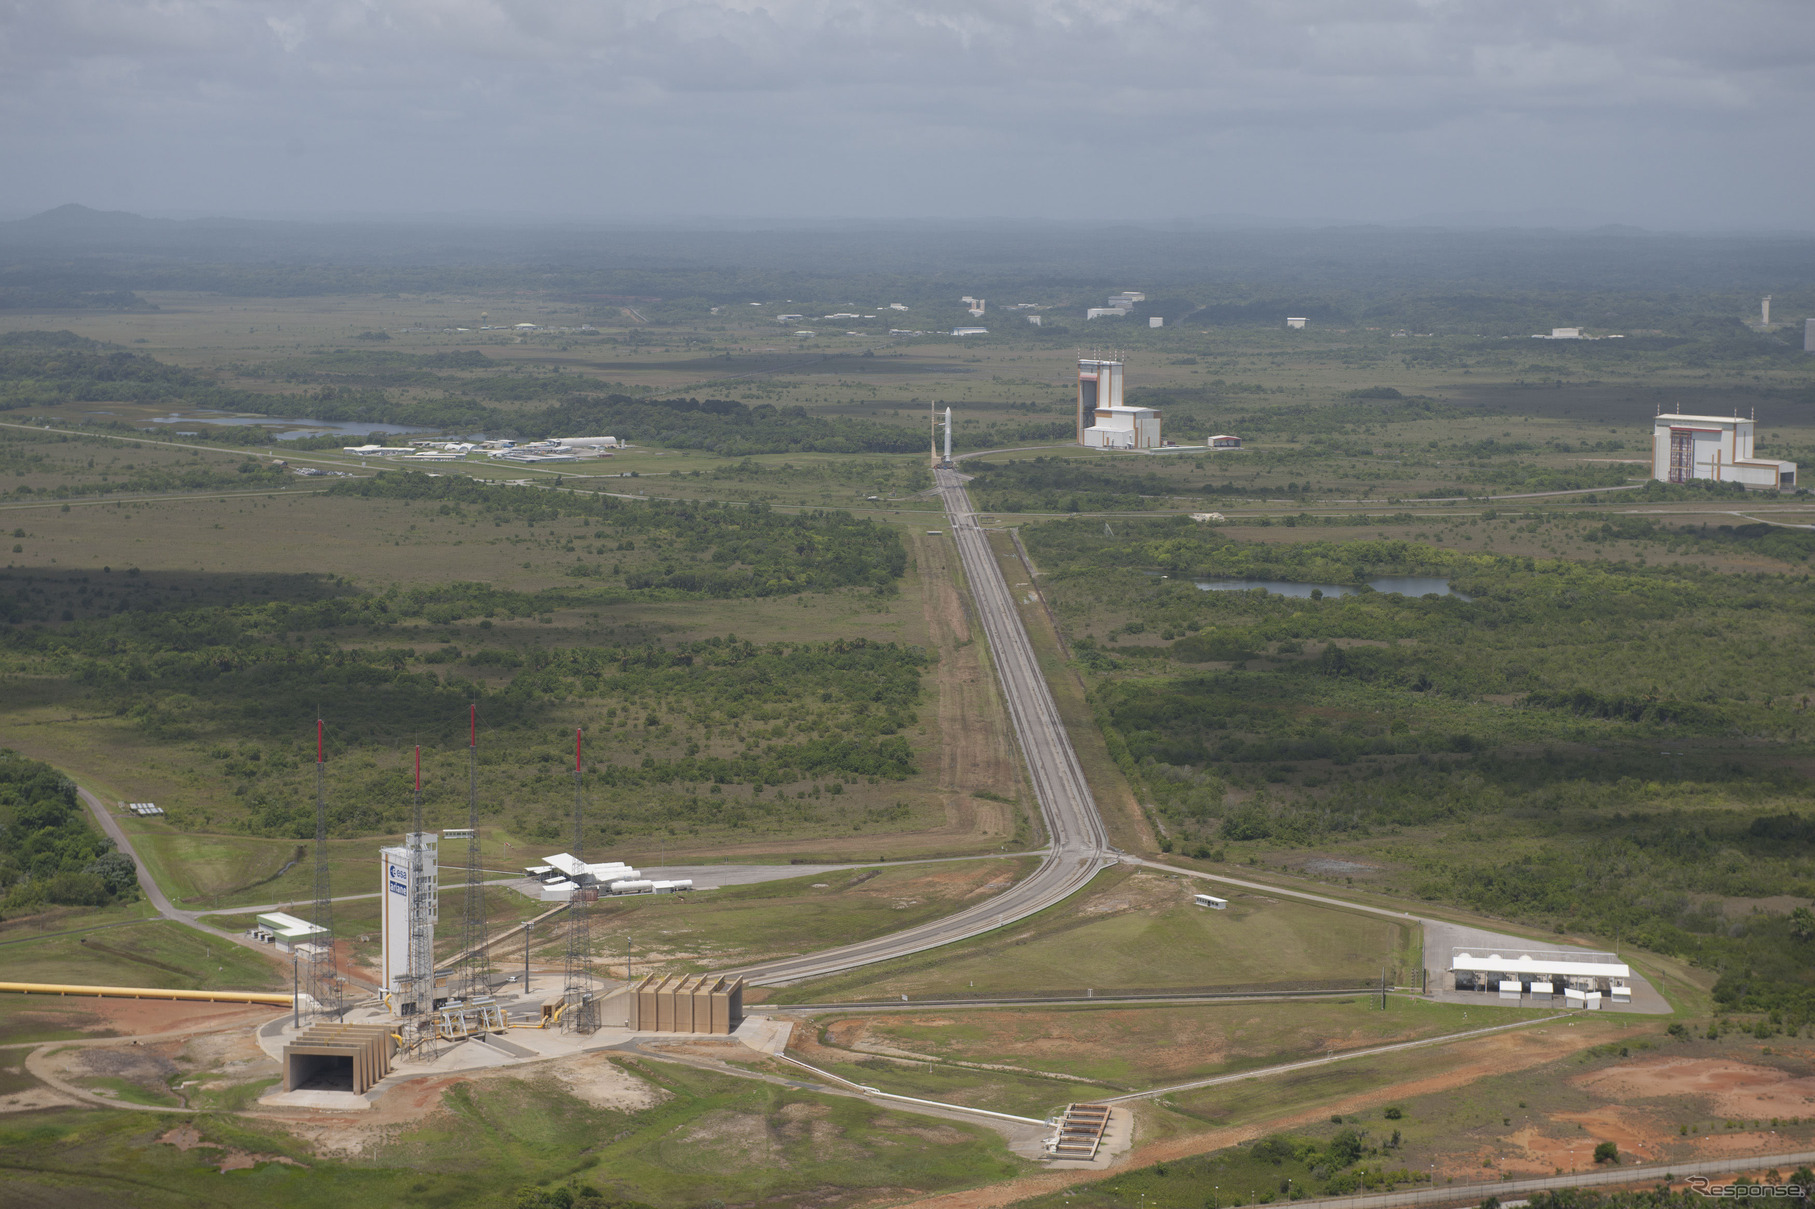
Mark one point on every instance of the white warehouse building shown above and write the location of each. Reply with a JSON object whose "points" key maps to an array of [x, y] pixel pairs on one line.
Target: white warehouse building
{"points": [[1687, 448]]}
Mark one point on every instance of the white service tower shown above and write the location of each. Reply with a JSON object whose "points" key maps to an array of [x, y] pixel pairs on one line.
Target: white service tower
{"points": [[948, 436], [408, 913]]}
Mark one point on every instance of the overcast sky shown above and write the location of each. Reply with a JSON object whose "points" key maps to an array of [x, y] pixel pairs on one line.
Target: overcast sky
{"points": [[1661, 113]]}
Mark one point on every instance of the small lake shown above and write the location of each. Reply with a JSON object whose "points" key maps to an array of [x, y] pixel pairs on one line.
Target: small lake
{"points": [[315, 428], [1404, 585]]}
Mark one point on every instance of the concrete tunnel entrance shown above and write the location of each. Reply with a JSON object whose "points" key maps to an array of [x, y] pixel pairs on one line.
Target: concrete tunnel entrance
{"points": [[319, 1072]]}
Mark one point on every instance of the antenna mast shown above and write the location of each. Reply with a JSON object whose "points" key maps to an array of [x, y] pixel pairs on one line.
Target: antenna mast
{"points": [[475, 974], [323, 979], [581, 1010]]}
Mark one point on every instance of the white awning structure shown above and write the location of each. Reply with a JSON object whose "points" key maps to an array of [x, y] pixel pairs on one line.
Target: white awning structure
{"points": [[1544, 965], [287, 927]]}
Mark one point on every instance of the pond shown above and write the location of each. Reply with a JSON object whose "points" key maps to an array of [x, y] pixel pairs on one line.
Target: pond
{"points": [[1404, 585], [315, 428]]}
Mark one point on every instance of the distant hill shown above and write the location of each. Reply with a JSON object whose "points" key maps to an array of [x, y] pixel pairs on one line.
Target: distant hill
{"points": [[75, 217]]}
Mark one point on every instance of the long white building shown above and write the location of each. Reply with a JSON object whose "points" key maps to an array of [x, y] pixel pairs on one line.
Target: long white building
{"points": [[1686, 448]]}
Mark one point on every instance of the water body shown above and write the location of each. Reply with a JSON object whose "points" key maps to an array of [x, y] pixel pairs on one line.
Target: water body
{"points": [[315, 428], [1404, 585]]}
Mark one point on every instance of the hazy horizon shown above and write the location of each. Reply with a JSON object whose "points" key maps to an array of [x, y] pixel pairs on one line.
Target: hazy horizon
{"points": [[1674, 118]]}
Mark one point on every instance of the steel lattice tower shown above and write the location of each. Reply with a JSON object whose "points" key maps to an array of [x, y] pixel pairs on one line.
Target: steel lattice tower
{"points": [[417, 996], [475, 973], [323, 979], [581, 1012]]}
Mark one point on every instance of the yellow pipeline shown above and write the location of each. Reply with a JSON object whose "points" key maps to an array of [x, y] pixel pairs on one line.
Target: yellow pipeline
{"points": [[55, 988]]}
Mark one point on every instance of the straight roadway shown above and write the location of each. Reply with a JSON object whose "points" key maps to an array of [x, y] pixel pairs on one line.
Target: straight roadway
{"points": [[1079, 847]]}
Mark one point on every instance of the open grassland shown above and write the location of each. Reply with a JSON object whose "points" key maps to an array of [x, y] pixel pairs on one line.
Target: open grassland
{"points": [[881, 780], [156, 953], [1657, 1099], [687, 1137], [1132, 1048], [1137, 930]]}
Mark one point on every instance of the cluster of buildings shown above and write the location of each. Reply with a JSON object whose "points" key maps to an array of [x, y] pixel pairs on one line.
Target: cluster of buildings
{"points": [[564, 875], [558, 449], [144, 810], [1119, 306]]}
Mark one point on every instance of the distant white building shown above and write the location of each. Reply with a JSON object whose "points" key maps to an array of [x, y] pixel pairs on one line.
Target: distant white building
{"points": [[1561, 333], [1035, 320], [1104, 312], [1225, 441], [1155, 321], [1687, 448], [970, 331], [1296, 321], [588, 442]]}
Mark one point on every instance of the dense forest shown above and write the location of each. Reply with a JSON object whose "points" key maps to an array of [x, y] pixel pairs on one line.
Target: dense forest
{"points": [[1531, 706], [49, 853]]}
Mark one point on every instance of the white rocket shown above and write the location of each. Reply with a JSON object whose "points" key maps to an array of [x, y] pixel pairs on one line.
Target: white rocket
{"points": [[948, 436]]}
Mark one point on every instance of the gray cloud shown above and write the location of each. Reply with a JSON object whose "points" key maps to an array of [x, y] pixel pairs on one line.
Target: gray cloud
{"points": [[1666, 113]]}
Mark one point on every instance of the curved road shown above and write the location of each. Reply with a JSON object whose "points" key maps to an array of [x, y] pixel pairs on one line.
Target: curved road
{"points": [[1079, 845]]}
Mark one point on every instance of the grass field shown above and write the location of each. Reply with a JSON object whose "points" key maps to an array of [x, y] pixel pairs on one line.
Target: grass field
{"points": [[1132, 930], [157, 953], [713, 1139], [1139, 1047]]}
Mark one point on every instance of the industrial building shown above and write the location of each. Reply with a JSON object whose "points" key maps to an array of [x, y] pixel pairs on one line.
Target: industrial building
{"points": [[396, 883], [1296, 321], [1718, 449], [1574, 978], [1225, 441], [1119, 306], [283, 930], [563, 874], [1103, 421]]}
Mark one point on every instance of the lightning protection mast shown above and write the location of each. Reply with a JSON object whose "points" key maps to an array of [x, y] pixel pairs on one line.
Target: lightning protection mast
{"points": [[581, 1009], [418, 991], [323, 986], [475, 975]]}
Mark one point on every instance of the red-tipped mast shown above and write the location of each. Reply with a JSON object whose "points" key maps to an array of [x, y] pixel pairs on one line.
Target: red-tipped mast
{"points": [[418, 768]]}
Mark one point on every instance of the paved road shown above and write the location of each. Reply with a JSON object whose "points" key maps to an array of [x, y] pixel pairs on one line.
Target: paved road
{"points": [[163, 906], [1463, 1194], [1079, 845]]}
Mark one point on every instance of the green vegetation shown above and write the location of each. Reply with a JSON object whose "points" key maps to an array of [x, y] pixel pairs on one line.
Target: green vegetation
{"points": [[156, 953], [1135, 1047], [525, 1142], [49, 853], [1132, 931], [1536, 709]]}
